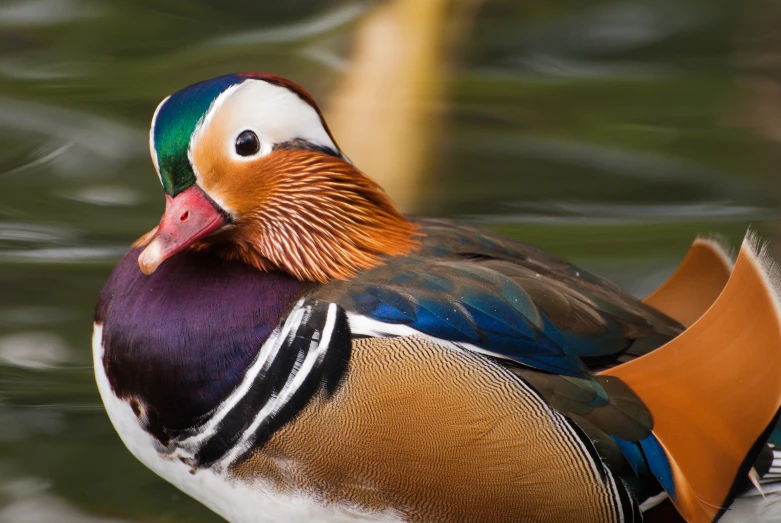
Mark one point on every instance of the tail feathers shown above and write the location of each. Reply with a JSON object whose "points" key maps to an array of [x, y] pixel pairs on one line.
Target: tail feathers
{"points": [[715, 390], [768, 465], [761, 504], [773, 475], [696, 283]]}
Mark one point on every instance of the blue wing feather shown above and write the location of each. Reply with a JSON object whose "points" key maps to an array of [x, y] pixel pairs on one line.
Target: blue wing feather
{"points": [[445, 320], [658, 463], [487, 310], [504, 297]]}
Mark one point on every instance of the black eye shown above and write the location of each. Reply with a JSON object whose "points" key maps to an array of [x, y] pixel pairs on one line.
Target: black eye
{"points": [[247, 143]]}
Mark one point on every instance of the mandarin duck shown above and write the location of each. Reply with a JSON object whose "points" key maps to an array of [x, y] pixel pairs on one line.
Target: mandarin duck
{"points": [[286, 346]]}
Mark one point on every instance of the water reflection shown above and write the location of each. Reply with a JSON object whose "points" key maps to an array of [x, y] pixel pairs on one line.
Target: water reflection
{"points": [[105, 195], [39, 13], [19, 424], [33, 350], [28, 500], [25, 316], [588, 213], [608, 132], [330, 20], [12, 232], [83, 139], [65, 255]]}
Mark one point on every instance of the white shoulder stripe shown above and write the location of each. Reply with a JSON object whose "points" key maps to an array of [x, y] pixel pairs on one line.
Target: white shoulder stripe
{"points": [[364, 326], [265, 357], [297, 377]]}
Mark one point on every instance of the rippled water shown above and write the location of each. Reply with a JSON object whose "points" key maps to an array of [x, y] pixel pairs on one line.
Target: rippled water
{"points": [[608, 132]]}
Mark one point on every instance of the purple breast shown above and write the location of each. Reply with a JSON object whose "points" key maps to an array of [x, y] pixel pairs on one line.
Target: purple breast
{"points": [[181, 339]]}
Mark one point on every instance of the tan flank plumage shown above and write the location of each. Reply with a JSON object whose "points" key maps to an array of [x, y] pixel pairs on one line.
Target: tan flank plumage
{"points": [[437, 435]]}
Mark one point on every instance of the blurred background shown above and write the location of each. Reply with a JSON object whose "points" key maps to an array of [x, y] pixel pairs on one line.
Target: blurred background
{"points": [[608, 132]]}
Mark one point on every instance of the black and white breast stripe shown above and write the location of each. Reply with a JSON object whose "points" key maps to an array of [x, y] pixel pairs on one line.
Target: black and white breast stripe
{"points": [[310, 351]]}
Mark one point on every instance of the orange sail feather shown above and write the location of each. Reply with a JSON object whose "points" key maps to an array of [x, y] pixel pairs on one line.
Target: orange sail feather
{"points": [[696, 283], [716, 389]]}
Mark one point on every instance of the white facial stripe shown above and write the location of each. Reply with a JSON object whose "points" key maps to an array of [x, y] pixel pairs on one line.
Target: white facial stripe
{"points": [[204, 123], [275, 114], [152, 149]]}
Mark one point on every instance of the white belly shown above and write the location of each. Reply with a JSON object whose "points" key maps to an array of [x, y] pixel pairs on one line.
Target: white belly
{"points": [[236, 501]]}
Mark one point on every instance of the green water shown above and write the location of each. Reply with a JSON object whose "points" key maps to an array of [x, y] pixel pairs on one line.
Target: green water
{"points": [[610, 133]]}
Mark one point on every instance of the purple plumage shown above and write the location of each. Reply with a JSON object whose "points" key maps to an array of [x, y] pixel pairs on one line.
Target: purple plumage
{"points": [[180, 339]]}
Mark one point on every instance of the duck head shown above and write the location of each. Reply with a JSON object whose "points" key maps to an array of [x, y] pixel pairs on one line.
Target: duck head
{"points": [[251, 172]]}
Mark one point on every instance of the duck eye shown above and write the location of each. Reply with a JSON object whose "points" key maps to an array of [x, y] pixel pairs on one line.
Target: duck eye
{"points": [[247, 143]]}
